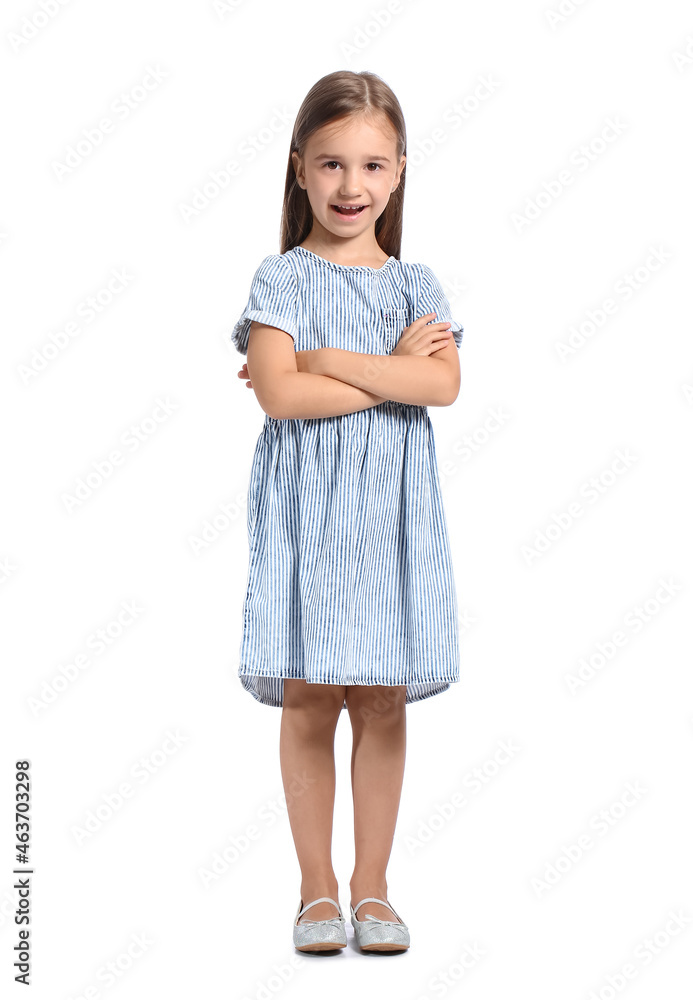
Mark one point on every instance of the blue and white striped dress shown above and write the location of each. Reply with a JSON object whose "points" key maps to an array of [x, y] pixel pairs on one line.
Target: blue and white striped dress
{"points": [[350, 577]]}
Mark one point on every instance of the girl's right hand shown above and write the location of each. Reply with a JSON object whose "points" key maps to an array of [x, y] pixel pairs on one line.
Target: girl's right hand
{"points": [[423, 338], [243, 373]]}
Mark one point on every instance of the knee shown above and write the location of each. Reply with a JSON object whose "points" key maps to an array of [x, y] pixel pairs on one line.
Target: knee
{"points": [[376, 705], [312, 707]]}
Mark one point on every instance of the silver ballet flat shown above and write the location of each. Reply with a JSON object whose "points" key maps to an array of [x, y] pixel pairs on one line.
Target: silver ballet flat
{"points": [[373, 934], [319, 935]]}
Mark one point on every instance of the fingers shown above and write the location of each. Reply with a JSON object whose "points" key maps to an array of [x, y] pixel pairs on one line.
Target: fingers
{"points": [[425, 319], [243, 373]]}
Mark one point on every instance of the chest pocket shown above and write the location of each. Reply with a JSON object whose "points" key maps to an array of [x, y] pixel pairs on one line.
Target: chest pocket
{"points": [[395, 322]]}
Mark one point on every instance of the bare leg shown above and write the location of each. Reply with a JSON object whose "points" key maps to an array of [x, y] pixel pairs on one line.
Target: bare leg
{"points": [[378, 721], [310, 714]]}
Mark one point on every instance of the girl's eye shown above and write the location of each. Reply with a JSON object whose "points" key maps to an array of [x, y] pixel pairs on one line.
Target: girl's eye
{"points": [[328, 162]]}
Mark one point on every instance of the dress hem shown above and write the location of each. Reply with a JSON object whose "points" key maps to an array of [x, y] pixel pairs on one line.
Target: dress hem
{"points": [[415, 691]]}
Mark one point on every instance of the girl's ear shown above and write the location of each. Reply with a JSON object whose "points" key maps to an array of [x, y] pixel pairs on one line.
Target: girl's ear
{"points": [[398, 175]]}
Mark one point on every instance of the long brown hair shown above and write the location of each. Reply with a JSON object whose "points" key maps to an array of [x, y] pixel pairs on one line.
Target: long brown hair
{"points": [[340, 95]]}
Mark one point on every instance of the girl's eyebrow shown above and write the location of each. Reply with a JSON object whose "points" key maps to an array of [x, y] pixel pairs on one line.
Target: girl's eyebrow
{"points": [[329, 156]]}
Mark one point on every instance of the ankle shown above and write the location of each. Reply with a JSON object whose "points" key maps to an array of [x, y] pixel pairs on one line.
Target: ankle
{"points": [[368, 885], [314, 886]]}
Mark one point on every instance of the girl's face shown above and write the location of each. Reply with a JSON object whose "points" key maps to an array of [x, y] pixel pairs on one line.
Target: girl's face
{"points": [[350, 162]]}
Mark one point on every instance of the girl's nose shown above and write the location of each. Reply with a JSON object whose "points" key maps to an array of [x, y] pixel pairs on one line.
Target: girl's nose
{"points": [[350, 186]]}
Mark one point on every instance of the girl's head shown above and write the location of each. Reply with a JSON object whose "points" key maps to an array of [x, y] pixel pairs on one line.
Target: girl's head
{"points": [[348, 147]]}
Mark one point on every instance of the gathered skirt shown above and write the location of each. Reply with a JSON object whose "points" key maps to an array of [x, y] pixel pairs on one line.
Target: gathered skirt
{"points": [[350, 577]]}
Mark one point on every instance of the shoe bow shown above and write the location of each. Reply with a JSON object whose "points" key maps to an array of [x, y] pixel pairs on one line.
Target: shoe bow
{"points": [[387, 923], [337, 921]]}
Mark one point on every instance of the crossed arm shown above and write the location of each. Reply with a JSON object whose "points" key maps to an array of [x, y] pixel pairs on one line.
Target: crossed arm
{"points": [[328, 381]]}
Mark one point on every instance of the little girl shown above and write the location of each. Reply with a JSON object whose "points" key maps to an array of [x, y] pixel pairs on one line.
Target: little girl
{"points": [[350, 599]]}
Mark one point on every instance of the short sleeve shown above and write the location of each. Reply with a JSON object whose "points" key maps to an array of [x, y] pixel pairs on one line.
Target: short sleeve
{"points": [[431, 298], [273, 300]]}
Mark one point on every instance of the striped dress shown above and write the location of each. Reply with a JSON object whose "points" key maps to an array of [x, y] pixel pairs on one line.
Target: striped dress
{"points": [[350, 577]]}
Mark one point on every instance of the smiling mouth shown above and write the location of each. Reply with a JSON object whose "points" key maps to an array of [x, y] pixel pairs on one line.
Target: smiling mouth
{"points": [[348, 210]]}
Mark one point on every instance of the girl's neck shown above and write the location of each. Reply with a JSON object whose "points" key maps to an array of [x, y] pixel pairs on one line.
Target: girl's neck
{"points": [[372, 256]]}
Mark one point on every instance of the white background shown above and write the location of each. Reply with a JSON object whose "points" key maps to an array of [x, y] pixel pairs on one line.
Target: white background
{"points": [[527, 623]]}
